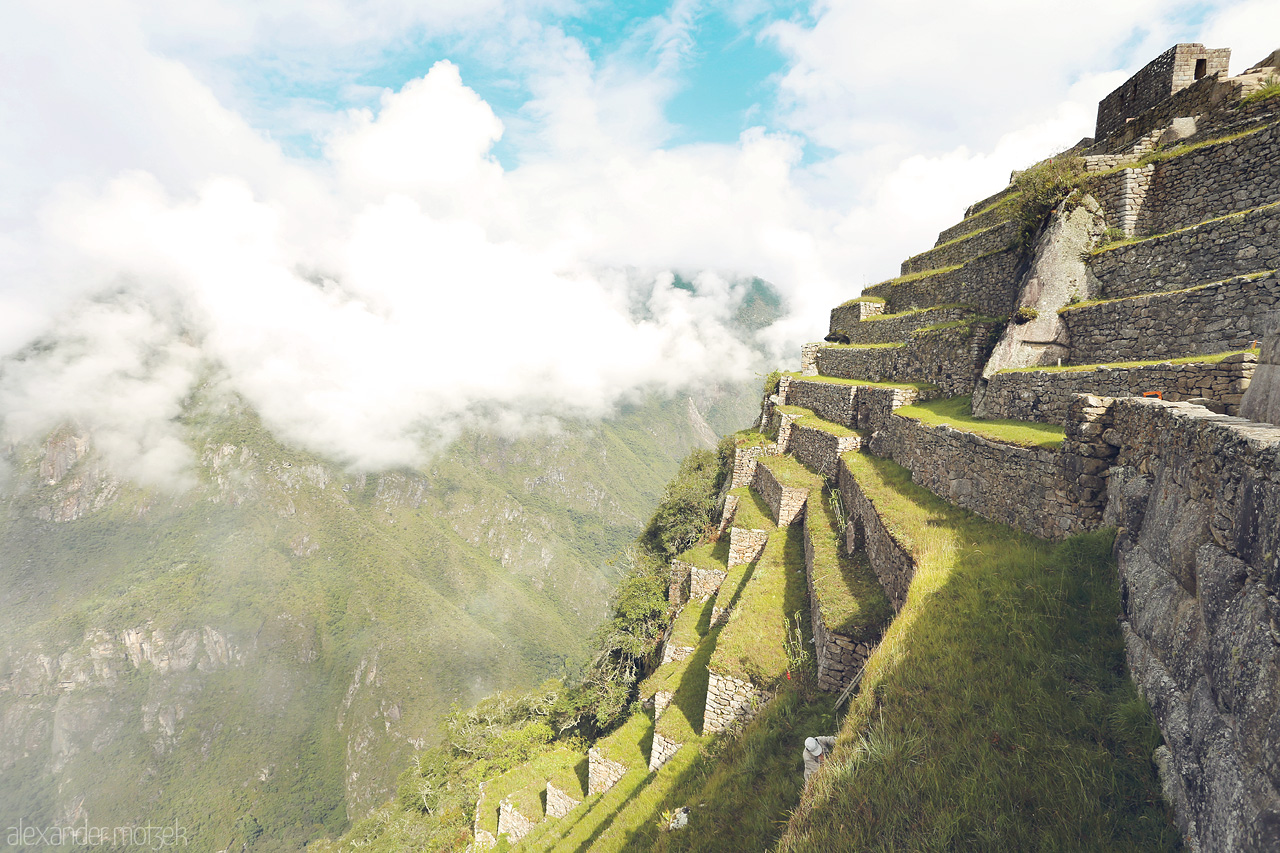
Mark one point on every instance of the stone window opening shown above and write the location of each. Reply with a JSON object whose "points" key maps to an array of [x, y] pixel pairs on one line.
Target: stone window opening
{"points": [[1202, 67]]}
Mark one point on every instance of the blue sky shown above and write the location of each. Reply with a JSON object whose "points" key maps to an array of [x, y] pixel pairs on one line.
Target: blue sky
{"points": [[322, 198]]}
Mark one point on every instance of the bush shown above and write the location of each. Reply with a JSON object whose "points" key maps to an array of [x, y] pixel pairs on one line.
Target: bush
{"points": [[1025, 314], [1040, 189]]}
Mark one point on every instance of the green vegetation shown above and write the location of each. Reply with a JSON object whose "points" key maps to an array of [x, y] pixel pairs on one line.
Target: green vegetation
{"points": [[913, 311], [708, 555], [791, 472], [955, 240], [1040, 189], [525, 785], [687, 506], [1114, 237], [853, 603], [1074, 306], [752, 512], [837, 380], [966, 323], [893, 345], [1213, 358], [876, 299], [916, 276], [957, 412], [1025, 314], [751, 645], [812, 421], [995, 714], [1270, 89]]}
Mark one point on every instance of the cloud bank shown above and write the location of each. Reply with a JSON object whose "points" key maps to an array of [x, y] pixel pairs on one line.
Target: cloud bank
{"points": [[401, 283]]}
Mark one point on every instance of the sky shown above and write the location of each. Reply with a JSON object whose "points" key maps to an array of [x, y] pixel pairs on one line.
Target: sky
{"points": [[381, 222]]}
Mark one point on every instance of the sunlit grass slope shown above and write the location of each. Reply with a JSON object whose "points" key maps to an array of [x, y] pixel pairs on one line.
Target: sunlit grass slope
{"points": [[996, 714]]}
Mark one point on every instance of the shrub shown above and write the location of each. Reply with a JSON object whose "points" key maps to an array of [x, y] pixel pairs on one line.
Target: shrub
{"points": [[1270, 89], [1025, 314], [1040, 189]]}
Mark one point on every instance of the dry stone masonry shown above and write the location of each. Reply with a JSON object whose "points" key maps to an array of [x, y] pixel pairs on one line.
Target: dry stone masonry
{"points": [[950, 358], [559, 803], [898, 328], [511, 823], [785, 502], [663, 750], [745, 545], [1045, 396], [602, 773], [729, 700], [819, 449]]}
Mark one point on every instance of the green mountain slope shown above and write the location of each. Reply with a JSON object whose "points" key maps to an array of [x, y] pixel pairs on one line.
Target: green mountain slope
{"points": [[255, 659]]}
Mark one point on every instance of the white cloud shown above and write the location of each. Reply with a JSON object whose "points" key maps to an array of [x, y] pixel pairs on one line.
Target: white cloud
{"points": [[377, 299]]}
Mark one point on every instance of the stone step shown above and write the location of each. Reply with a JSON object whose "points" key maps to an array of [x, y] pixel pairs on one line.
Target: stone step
{"points": [[894, 328], [990, 281], [1234, 245], [1216, 317], [964, 248], [816, 442], [785, 485], [848, 608], [1046, 395], [951, 357], [980, 215], [860, 405]]}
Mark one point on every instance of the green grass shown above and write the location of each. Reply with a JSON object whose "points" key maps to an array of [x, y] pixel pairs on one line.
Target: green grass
{"points": [[629, 743], [1270, 89], [958, 324], [1130, 241], [852, 601], [837, 380], [1212, 358], [857, 299], [791, 472], [957, 412], [749, 438], [709, 555], [1174, 152], [893, 345], [995, 714], [1007, 201], [750, 646], [916, 276], [1092, 302], [912, 311], [955, 240], [752, 512], [812, 421], [526, 784]]}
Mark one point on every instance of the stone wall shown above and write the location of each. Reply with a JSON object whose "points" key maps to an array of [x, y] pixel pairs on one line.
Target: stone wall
{"points": [[1213, 251], [661, 701], [785, 502], [892, 563], [745, 545], [839, 657], [678, 583], [964, 248], [1196, 497], [602, 773], [1209, 100], [661, 752], [704, 583], [485, 840], [511, 823], [808, 359], [990, 281], [897, 328], [1171, 71], [1262, 400], [975, 221], [1217, 317], [951, 358], [744, 463], [820, 449], [1024, 487], [876, 404], [731, 699], [851, 313], [672, 653], [559, 803], [1045, 396], [830, 401], [1213, 181], [1123, 195]]}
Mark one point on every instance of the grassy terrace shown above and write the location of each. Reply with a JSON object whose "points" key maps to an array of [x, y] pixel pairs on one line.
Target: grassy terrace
{"points": [[752, 513], [1091, 302], [526, 784], [749, 438], [1212, 358], [893, 345], [751, 645], [629, 743], [996, 714], [957, 412], [790, 471], [852, 602], [955, 240], [857, 299], [836, 380], [1129, 241], [709, 555], [812, 421], [913, 311]]}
